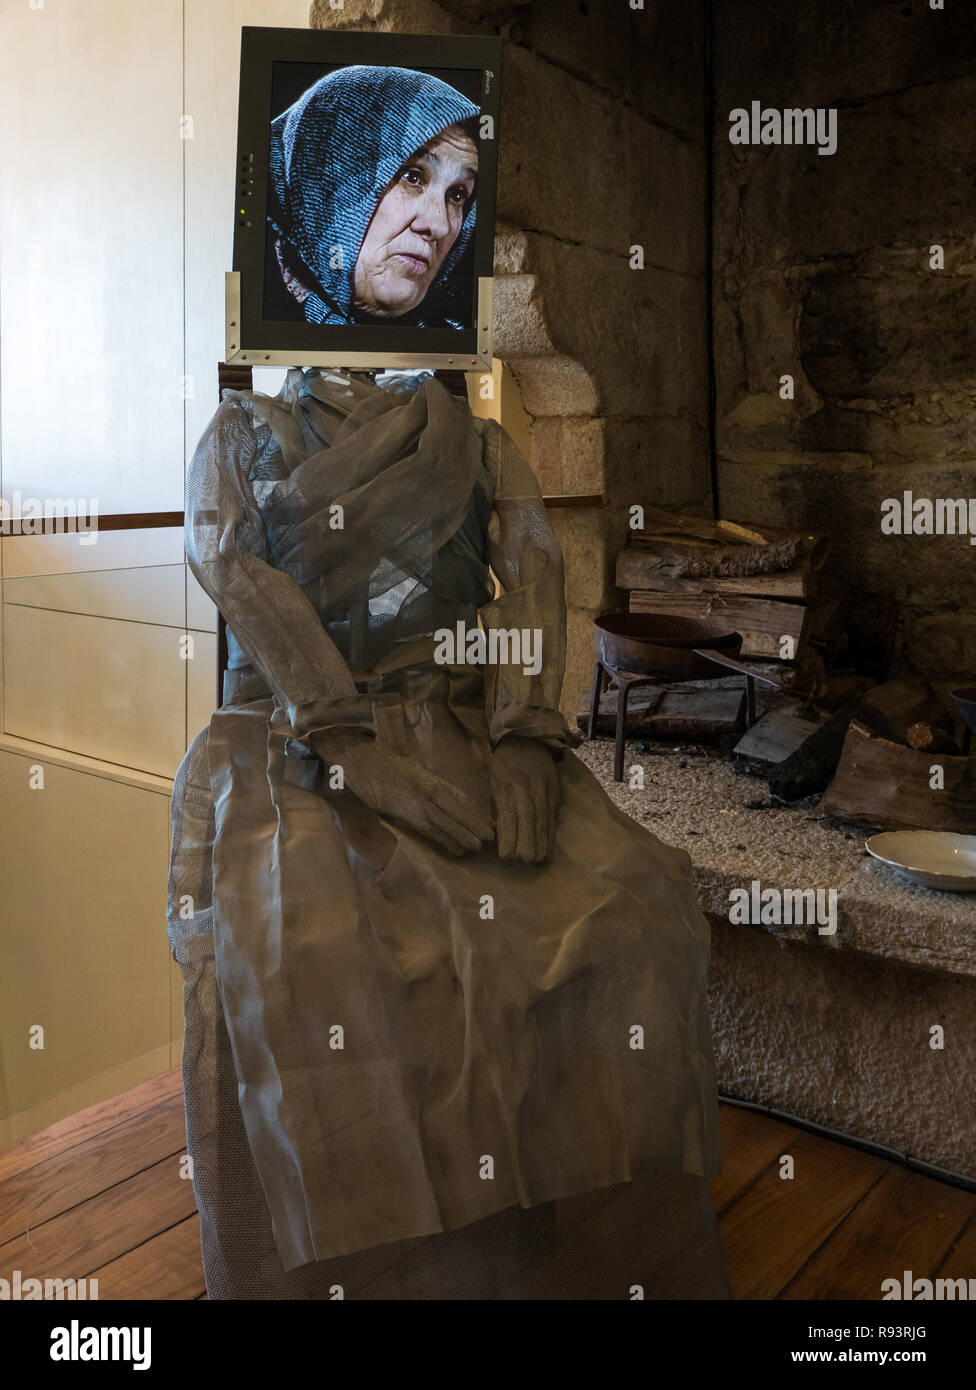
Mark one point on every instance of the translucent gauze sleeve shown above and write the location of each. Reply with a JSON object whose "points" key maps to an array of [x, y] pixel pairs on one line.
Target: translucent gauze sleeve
{"points": [[275, 624], [528, 564]]}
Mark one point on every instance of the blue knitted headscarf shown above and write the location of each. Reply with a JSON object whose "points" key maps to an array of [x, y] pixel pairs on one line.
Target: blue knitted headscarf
{"points": [[334, 152]]}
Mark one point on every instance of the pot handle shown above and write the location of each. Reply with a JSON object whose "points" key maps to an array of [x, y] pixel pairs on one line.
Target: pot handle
{"points": [[739, 666]]}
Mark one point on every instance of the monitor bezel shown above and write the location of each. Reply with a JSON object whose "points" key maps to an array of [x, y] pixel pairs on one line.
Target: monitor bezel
{"points": [[253, 339]]}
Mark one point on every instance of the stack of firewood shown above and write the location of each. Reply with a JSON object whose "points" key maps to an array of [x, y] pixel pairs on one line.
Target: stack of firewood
{"points": [[761, 581], [764, 583], [891, 758], [887, 754]]}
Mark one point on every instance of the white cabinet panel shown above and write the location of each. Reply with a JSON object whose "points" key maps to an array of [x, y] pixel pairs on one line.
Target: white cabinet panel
{"points": [[91, 252], [162, 545], [108, 689], [151, 594], [85, 955]]}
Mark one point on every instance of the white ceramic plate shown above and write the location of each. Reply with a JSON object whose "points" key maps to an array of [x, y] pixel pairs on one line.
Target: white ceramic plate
{"points": [[935, 858]]}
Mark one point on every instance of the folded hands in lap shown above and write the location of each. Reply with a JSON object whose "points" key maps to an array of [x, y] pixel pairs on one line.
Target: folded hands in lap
{"points": [[524, 786], [404, 790]]}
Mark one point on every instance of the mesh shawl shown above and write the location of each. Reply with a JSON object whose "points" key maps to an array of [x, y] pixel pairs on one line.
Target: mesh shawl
{"points": [[334, 152], [430, 500]]}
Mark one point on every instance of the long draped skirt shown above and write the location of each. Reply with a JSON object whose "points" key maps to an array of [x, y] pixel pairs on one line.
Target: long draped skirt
{"points": [[414, 1076]]}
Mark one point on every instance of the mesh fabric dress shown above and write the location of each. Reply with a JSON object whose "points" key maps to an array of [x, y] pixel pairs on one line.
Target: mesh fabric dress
{"points": [[389, 1092]]}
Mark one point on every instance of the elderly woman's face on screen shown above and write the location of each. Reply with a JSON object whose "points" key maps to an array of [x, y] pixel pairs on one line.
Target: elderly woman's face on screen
{"points": [[415, 225]]}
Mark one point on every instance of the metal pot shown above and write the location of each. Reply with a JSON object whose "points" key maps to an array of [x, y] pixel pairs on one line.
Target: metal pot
{"points": [[642, 648], [667, 648]]}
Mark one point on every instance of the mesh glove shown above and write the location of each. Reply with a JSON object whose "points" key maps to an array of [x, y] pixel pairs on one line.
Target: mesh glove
{"points": [[525, 788], [404, 790]]}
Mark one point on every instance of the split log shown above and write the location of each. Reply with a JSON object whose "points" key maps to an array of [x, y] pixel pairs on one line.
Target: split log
{"points": [[680, 545], [813, 547], [659, 521], [930, 736], [763, 623], [773, 739], [674, 711], [637, 569], [809, 767], [886, 711], [888, 785], [892, 707], [678, 556]]}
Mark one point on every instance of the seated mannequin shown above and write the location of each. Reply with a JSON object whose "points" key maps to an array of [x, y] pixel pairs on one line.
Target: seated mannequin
{"points": [[447, 1032]]}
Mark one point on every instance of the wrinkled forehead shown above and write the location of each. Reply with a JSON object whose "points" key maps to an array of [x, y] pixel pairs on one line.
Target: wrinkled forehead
{"points": [[452, 152]]}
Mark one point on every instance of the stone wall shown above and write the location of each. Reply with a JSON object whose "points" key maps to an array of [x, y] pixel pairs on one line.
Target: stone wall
{"points": [[601, 149], [822, 272]]}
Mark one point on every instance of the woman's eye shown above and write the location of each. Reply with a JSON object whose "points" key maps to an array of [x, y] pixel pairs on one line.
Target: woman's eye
{"points": [[458, 195], [413, 177]]}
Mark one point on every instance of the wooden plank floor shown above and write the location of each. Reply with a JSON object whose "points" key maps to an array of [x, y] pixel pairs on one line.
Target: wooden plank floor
{"points": [[100, 1195]]}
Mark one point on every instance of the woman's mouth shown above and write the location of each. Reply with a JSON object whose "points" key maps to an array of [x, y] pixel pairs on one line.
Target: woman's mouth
{"points": [[413, 263]]}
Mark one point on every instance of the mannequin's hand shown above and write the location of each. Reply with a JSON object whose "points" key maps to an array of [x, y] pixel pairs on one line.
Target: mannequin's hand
{"points": [[525, 789], [402, 789]]}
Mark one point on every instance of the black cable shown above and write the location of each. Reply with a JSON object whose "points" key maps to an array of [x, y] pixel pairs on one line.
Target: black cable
{"points": [[915, 1165]]}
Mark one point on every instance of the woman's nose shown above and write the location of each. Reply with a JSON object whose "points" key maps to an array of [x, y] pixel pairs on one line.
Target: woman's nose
{"points": [[431, 217]]}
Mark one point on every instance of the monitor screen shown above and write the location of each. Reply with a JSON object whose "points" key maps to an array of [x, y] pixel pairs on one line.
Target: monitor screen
{"points": [[366, 191]]}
